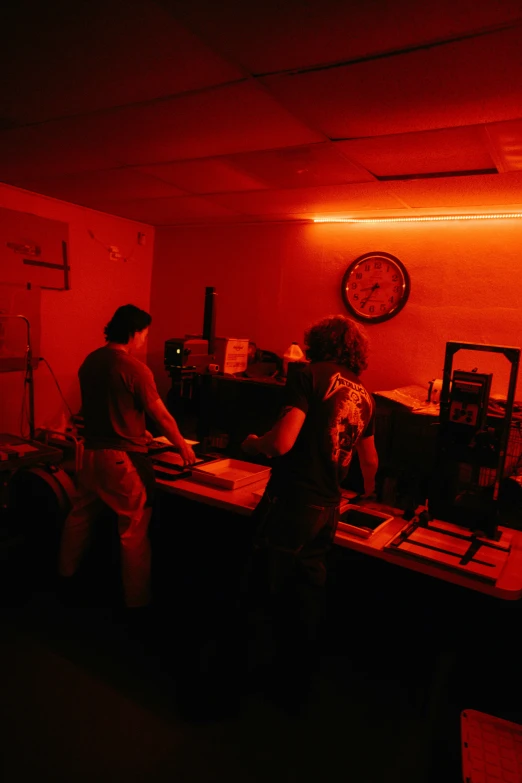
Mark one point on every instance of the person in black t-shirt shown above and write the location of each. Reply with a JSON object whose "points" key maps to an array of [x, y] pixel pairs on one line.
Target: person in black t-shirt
{"points": [[327, 415]]}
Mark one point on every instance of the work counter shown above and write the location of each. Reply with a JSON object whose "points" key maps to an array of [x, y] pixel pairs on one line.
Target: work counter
{"points": [[242, 502]]}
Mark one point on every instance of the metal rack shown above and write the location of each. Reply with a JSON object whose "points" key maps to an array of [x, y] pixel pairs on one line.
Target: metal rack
{"points": [[493, 447]]}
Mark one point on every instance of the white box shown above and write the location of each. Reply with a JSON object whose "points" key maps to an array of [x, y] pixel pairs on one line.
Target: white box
{"points": [[231, 354]]}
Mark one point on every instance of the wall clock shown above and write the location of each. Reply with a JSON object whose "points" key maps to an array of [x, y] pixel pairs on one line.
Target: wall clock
{"points": [[375, 287]]}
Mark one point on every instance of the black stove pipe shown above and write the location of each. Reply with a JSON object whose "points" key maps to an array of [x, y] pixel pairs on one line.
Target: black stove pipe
{"points": [[209, 318]]}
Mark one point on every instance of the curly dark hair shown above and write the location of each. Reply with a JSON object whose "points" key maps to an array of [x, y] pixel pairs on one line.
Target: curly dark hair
{"points": [[338, 338], [126, 321]]}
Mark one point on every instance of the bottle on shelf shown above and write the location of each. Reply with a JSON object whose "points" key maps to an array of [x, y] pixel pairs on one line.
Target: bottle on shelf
{"points": [[292, 354]]}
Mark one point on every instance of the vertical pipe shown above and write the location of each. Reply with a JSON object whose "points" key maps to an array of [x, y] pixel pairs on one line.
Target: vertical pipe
{"points": [[209, 318], [29, 378]]}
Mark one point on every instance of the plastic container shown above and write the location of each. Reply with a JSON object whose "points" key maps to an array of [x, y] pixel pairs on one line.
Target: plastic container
{"points": [[292, 354]]}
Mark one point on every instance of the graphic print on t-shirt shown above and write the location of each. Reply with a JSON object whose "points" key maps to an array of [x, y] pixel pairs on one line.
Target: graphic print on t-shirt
{"points": [[347, 421]]}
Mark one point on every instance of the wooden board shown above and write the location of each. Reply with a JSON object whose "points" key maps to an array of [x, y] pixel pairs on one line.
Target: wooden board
{"points": [[487, 563], [504, 541]]}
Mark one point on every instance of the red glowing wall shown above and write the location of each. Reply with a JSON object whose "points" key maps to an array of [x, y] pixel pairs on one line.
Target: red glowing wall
{"points": [[72, 321], [274, 280]]}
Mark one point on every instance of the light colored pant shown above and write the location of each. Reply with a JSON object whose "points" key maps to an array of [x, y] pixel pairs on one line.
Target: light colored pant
{"points": [[109, 477]]}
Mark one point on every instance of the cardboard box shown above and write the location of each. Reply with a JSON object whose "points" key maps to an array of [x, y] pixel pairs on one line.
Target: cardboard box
{"points": [[231, 354]]}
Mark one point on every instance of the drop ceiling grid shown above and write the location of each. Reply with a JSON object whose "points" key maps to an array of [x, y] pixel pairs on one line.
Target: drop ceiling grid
{"points": [[165, 210], [118, 184], [49, 150], [281, 202], [274, 36], [426, 152], [223, 120], [506, 139], [486, 190], [120, 52], [261, 148], [470, 82], [205, 175]]}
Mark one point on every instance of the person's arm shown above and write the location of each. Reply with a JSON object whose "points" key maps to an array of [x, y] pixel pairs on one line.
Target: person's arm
{"points": [[169, 428], [280, 438], [369, 462]]}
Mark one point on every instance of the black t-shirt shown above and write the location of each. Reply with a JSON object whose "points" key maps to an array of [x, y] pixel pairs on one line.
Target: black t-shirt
{"points": [[339, 411]]}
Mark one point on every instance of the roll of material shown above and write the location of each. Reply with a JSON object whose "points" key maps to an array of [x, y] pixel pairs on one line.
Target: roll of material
{"points": [[42, 491]]}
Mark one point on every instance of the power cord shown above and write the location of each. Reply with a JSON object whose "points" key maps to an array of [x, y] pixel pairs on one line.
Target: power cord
{"points": [[43, 359]]}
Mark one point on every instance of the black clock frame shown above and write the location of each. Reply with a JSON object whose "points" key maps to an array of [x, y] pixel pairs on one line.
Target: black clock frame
{"points": [[404, 296]]}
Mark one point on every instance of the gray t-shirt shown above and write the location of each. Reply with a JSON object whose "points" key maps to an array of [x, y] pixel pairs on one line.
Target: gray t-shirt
{"points": [[116, 389]]}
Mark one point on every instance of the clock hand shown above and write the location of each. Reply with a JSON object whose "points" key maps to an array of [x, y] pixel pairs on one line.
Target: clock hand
{"points": [[374, 288]]}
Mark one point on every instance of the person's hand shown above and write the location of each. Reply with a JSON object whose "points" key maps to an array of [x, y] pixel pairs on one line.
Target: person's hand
{"points": [[367, 497], [187, 454], [149, 437], [249, 445]]}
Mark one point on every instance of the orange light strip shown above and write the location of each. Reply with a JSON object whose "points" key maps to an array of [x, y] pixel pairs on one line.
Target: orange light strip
{"points": [[430, 218]]}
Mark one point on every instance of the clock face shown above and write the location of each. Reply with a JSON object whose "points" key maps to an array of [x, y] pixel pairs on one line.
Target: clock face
{"points": [[375, 287]]}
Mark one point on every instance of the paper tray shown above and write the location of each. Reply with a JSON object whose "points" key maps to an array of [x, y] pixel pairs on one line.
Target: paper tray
{"points": [[173, 460], [229, 473], [361, 521]]}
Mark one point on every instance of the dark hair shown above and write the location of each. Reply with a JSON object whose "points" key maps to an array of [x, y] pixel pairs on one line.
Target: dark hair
{"points": [[340, 339], [126, 321]]}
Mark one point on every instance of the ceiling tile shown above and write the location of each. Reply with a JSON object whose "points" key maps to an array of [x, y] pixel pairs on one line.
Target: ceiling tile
{"points": [[117, 184], [274, 35], [466, 83], [486, 190], [304, 166], [451, 149], [166, 211], [66, 58], [205, 175], [48, 150], [234, 118], [506, 138], [313, 200]]}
